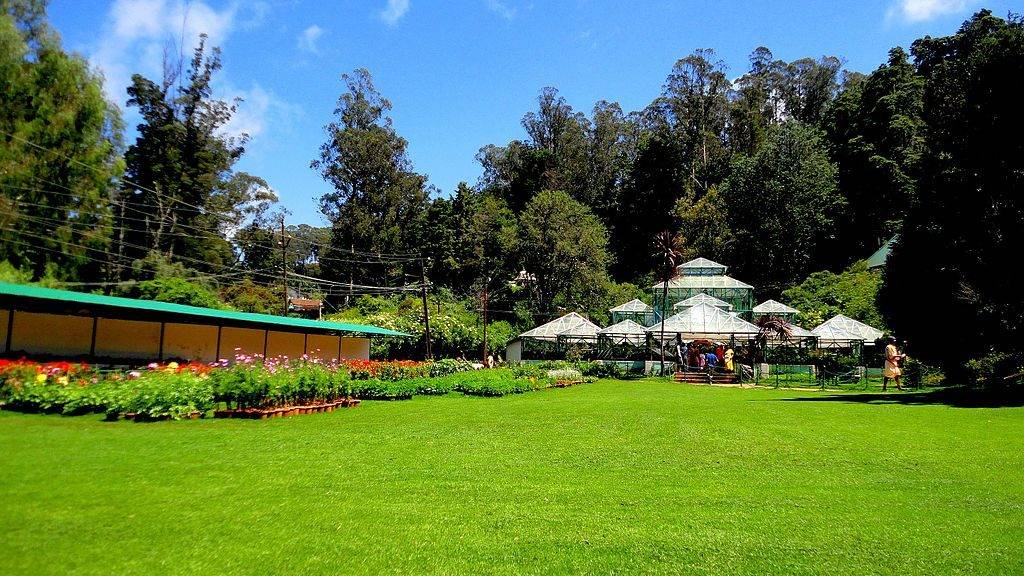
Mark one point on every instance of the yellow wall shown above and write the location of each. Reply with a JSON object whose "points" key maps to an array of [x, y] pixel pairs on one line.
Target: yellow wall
{"points": [[190, 342], [250, 341], [285, 344], [66, 335], [127, 339], [55, 334], [323, 347], [4, 316], [355, 348]]}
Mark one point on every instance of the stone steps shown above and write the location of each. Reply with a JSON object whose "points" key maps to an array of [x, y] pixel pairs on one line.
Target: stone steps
{"points": [[703, 378]]}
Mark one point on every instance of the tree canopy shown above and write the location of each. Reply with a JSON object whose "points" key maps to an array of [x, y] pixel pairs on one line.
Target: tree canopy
{"points": [[791, 173]]}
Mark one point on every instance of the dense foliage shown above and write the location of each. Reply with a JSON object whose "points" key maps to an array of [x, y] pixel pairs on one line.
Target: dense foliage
{"points": [[853, 293], [794, 170], [950, 282]]}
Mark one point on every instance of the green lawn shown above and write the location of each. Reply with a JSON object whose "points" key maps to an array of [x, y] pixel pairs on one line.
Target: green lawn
{"points": [[641, 476]]}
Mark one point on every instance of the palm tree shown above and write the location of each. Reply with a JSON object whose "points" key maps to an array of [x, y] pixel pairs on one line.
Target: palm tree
{"points": [[668, 251], [772, 326]]}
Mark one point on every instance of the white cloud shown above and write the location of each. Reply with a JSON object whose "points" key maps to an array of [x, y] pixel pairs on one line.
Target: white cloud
{"points": [[259, 110], [394, 11], [501, 9], [140, 34], [308, 38], [913, 11]]}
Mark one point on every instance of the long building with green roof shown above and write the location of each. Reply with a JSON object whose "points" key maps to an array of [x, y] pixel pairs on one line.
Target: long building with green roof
{"points": [[47, 323]]}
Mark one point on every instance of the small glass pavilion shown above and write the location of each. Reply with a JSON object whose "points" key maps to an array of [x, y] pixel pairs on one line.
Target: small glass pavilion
{"points": [[635, 310], [703, 276], [777, 309]]}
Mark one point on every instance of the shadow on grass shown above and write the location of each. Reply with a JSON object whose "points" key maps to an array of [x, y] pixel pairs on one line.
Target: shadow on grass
{"points": [[958, 397]]}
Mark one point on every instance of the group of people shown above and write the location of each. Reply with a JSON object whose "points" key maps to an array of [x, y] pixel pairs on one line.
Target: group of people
{"points": [[703, 356]]}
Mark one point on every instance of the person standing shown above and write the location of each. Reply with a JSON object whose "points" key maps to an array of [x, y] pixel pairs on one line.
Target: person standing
{"points": [[891, 369], [711, 360], [728, 359]]}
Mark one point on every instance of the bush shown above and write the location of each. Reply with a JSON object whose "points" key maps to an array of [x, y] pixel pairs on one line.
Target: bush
{"points": [[602, 370], [992, 369], [917, 374], [449, 366], [390, 370], [434, 386], [159, 394], [570, 374], [497, 382], [374, 389], [177, 291]]}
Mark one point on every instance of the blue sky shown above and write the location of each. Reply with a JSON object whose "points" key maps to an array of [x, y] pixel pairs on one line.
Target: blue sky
{"points": [[462, 73]]}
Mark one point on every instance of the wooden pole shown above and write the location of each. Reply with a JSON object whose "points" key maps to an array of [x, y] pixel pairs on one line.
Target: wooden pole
{"points": [[486, 287], [426, 309], [284, 269]]}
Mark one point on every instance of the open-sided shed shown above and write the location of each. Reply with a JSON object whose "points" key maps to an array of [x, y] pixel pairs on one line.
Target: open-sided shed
{"points": [[46, 323]]}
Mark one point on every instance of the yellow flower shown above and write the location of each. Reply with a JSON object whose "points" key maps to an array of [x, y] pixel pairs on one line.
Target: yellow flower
{"points": [[40, 378], [172, 365], [62, 380]]}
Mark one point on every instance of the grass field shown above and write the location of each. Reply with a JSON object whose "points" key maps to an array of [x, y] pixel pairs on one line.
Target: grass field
{"points": [[640, 476]]}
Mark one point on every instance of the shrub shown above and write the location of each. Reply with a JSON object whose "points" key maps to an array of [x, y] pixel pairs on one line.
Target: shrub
{"points": [[992, 369], [176, 290], [163, 394], [917, 373], [434, 386], [602, 370], [390, 370], [374, 389], [497, 382], [449, 366], [565, 374]]}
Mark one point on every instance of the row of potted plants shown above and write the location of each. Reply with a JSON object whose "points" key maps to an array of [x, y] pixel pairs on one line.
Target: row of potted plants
{"points": [[249, 386]]}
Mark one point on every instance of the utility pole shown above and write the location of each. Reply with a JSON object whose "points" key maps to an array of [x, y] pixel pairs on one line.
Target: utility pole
{"points": [[284, 267], [486, 287], [426, 309]]}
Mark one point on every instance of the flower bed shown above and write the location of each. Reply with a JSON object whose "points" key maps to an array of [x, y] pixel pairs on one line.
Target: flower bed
{"points": [[248, 386]]}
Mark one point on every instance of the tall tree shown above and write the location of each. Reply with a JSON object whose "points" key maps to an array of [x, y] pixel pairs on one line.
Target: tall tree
{"points": [[606, 158], [377, 196], [950, 285], [652, 184], [695, 105], [756, 103], [564, 246], [808, 86], [783, 206], [59, 151], [181, 196], [553, 156], [877, 137]]}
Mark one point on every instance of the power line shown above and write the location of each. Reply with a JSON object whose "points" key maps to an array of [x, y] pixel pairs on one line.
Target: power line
{"points": [[122, 178], [201, 210], [200, 231], [360, 286]]}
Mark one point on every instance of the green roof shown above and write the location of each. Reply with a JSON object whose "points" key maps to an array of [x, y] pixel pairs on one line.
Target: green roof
{"points": [[40, 293], [877, 260]]}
